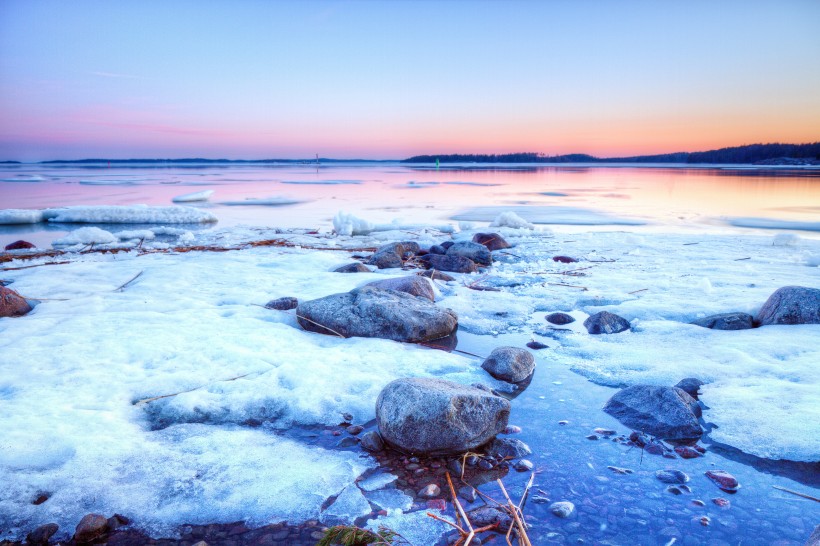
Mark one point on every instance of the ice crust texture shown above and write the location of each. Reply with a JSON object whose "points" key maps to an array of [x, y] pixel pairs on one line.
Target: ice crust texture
{"points": [[109, 214], [71, 370]]}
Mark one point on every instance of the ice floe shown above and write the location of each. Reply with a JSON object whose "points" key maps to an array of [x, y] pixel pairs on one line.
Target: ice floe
{"points": [[536, 214], [263, 202], [20, 216], [773, 223], [193, 197], [133, 214]]}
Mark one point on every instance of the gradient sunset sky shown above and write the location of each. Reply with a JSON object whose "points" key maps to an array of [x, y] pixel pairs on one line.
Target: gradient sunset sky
{"points": [[381, 80]]}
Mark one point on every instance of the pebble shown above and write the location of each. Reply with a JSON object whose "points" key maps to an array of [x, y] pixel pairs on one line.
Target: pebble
{"points": [[562, 509], [562, 423], [705, 521], [455, 467], [41, 534], [472, 460], [90, 528], [674, 490], [523, 465], [687, 452], [672, 476], [723, 503], [511, 429], [485, 464], [372, 441], [467, 493], [723, 480], [430, 491], [592, 437], [618, 470], [412, 466], [698, 502], [354, 429], [537, 345], [347, 417], [559, 318]]}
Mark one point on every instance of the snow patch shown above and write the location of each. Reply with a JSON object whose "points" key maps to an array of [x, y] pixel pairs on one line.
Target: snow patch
{"points": [[86, 236], [512, 220]]}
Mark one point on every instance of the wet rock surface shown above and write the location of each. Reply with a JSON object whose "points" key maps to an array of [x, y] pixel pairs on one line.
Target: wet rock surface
{"points": [[665, 412], [373, 312], [726, 321], [559, 319], [509, 364], [476, 252], [414, 285], [90, 528], [791, 305], [493, 241], [393, 255], [436, 275], [355, 267], [451, 263], [606, 323], [12, 304], [437, 416]]}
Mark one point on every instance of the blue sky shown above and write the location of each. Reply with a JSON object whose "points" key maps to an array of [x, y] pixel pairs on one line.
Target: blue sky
{"points": [[392, 79]]}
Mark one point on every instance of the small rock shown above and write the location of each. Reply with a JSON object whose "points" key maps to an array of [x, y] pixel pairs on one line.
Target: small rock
{"points": [[490, 515], [467, 493], [436, 275], [41, 498], [664, 412], [508, 448], [705, 521], [347, 417], [592, 437], [90, 528], [348, 441], [723, 480], [606, 323], [479, 254], [687, 452], [12, 304], [20, 245], [562, 509], [485, 464], [372, 441], [447, 244], [618, 470], [691, 386], [559, 318], [437, 504], [674, 490], [654, 448], [511, 429], [509, 364], [540, 499], [563, 422], [537, 345], [472, 460], [43, 533], [437, 249], [685, 488], [726, 321], [604, 432], [524, 465], [723, 503], [698, 502], [672, 476], [282, 304], [564, 259], [354, 429], [493, 241], [430, 491], [456, 467], [454, 264], [355, 267]]}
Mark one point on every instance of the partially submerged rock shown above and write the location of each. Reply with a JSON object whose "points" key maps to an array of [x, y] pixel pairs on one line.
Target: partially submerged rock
{"points": [[691, 385], [724, 480], [453, 263], [665, 412], [19, 245], [90, 528], [791, 305], [41, 535], [436, 416], [559, 318], [480, 254], [562, 509], [436, 275], [493, 241], [508, 448], [726, 321], [355, 267], [12, 304], [373, 312], [606, 323], [414, 285], [509, 364]]}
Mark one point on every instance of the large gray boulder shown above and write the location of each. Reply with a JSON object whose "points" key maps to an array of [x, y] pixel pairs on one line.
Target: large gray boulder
{"points": [[791, 305], [510, 364], [373, 312], [726, 321], [434, 416], [665, 412], [413, 285], [606, 323], [476, 252]]}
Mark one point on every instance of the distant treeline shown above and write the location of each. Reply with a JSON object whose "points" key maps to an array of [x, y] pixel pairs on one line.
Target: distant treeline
{"points": [[750, 153]]}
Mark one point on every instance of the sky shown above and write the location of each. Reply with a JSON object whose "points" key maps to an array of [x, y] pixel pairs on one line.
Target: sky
{"points": [[388, 80]]}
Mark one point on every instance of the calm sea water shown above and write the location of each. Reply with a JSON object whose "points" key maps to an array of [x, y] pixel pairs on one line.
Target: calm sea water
{"points": [[645, 198]]}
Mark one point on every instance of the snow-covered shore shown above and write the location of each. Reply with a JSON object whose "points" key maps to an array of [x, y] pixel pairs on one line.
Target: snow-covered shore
{"points": [[193, 323]]}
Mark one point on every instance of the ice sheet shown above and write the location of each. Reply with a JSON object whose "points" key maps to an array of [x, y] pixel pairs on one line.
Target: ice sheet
{"points": [[773, 223], [20, 216], [576, 216], [133, 214]]}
